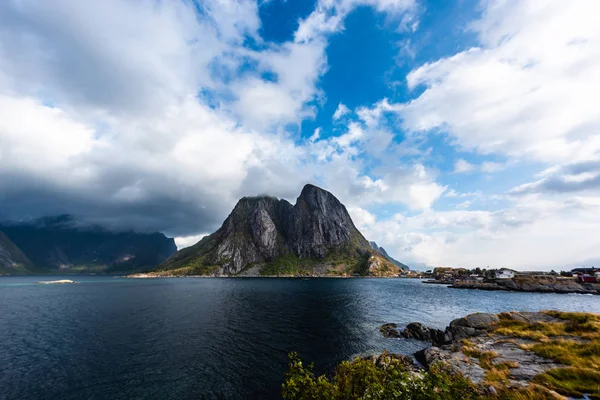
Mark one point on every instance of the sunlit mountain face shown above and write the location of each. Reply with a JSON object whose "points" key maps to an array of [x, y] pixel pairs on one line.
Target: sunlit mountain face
{"points": [[459, 134]]}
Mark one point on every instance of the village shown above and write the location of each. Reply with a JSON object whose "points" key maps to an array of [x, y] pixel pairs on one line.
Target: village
{"points": [[449, 276]]}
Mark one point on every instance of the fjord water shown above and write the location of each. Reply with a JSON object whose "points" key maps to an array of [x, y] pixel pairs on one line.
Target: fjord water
{"points": [[115, 338]]}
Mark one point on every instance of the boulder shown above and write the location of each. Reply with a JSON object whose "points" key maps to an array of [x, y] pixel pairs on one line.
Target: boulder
{"points": [[416, 330], [430, 355], [471, 325], [389, 330]]}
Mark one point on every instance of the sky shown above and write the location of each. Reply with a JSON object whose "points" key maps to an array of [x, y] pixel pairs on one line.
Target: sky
{"points": [[463, 133]]}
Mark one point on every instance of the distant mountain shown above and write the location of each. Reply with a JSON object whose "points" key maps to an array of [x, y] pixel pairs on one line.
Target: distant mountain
{"points": [[61, 244], [267, 236], [12, 259], [389, 258]]}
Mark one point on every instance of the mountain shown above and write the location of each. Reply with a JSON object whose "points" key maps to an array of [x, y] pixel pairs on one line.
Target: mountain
{"points": [[12, 259], [62, 244], [267, 236], [397, 263]]}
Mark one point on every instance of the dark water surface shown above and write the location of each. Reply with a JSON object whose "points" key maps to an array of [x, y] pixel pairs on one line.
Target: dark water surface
{"points": [[115, 338]]}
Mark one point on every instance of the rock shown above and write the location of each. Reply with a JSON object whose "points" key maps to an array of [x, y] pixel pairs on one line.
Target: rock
{"points": [[416, 330], [462, 357], [430, 355], [471, 325], [389, 330], [526, 283]]}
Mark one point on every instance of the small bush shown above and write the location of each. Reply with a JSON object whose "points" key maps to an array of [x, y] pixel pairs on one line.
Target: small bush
{"points": [[361, 379]]}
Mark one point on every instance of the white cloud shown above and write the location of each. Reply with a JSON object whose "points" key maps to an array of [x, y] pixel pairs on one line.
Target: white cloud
{"points": [[489, 167], [462, 166], [422, 196], [328, 16], [187, 241], [529, 90], [316, 135], [340, 111], [503, 238], [361, 217]]}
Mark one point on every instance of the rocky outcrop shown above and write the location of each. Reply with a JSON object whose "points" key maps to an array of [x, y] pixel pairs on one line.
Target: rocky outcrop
{"points": [[469, 326], [389, 330], [397, 263], [525, 283], [270, 236], [64, 244], [416, 330], [476, 347]]}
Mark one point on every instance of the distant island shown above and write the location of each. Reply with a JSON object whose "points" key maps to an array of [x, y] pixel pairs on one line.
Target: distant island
{"points": [[266, 236]]}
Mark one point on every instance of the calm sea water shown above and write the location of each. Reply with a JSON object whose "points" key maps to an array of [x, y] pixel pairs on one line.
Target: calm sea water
{"points": [[115, 338]]}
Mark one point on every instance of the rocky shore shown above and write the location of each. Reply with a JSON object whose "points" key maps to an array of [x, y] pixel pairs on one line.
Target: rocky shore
{"points": [[551, 351], [540, 284]]}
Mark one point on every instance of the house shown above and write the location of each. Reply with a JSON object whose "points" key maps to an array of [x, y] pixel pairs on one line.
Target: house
{"points": [[590, 275], [504, 273], [585, 271]]}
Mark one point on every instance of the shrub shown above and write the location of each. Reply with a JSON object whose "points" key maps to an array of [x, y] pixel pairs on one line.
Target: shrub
{"points": [[361, 379]]}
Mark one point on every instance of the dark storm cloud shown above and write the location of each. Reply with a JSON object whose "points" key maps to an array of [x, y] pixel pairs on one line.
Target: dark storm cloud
{"points": [[159, 209]]}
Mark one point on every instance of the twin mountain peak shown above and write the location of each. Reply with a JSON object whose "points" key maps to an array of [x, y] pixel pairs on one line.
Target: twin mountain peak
{"points": [[268, 236]]}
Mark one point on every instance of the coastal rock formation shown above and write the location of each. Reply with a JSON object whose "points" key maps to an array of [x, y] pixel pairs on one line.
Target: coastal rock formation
{"points": [[510, 350], [64, 244], [416, 330], [269, 236], [525, 283], [389, 330]]}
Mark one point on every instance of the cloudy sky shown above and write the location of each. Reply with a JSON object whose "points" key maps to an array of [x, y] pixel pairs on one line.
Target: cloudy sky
{"points": [[458, 133]]}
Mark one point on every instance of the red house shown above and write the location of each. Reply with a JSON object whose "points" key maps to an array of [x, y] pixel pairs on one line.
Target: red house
{"points": [[589, 275]]}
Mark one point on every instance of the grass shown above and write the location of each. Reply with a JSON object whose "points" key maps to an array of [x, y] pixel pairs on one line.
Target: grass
{"points": [[496, 374], [572, 381], [337, 264], [573, 341]]}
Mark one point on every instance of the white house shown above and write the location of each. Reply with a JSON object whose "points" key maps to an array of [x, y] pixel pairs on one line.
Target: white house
{"points": [[505, 273]]}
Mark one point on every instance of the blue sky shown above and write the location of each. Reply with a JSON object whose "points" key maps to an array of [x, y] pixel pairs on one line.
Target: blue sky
{"points": [[458, 133]]}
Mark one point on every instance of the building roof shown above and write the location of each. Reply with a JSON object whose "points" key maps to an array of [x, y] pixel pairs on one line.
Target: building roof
{"points": [[585, 270]]}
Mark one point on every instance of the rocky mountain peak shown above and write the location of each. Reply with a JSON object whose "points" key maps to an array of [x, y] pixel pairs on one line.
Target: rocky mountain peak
{"points": [[261, 230]]}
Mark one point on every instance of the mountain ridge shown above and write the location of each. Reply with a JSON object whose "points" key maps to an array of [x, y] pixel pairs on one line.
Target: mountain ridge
{"points": [[63, 244], [12, 259], [397, 263]]}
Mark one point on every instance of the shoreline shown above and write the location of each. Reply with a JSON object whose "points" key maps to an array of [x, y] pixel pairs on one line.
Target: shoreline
{"points": [[508, 352], [149, 276], [532, 285]]}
